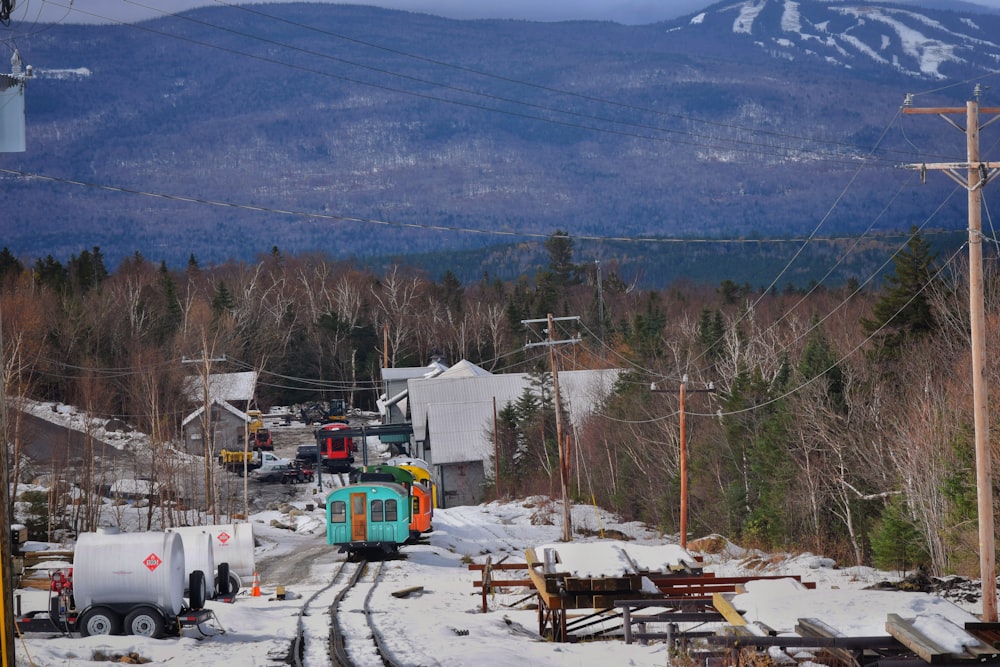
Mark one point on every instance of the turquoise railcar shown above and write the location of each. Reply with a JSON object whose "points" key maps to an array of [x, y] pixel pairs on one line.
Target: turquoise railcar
{"points": [[367, 517]]}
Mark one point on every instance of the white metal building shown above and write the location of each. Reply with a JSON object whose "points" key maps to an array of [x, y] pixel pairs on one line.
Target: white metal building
{"points": [[452, 417]]}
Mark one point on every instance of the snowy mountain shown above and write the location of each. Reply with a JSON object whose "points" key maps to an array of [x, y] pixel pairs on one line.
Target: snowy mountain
{"points": [[925, 43], [369, 133]]}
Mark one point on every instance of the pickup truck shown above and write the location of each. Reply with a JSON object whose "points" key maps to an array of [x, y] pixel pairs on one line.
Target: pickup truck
{"points": [[233, 461]]}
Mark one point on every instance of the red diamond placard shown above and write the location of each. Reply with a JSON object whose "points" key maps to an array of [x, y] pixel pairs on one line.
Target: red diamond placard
{"points": [[224, 537], [152, 562]]}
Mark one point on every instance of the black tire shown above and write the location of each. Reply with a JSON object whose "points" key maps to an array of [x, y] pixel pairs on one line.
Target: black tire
{"points": [[222, 580], [196, 590], [284, 480], [146, 621], [99, 621], [234, 583]]}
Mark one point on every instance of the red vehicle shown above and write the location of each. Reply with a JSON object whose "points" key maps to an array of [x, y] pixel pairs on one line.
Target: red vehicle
{"points": [[262, 440], [336, 452]]}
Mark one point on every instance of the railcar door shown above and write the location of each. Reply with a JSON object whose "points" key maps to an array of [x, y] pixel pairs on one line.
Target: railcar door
{"points": [[359, 517]]}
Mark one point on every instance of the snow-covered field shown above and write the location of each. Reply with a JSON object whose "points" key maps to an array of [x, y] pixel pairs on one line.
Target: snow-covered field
{"points": [[442, 623]]}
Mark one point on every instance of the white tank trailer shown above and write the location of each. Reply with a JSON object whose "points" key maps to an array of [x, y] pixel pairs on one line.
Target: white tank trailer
{"points": [[232, 544], [132, 583], [198, 555]]}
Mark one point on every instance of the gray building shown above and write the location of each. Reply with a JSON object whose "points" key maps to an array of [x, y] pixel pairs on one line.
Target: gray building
{"points": [[228, 429], [229, 394], [452, 418]]}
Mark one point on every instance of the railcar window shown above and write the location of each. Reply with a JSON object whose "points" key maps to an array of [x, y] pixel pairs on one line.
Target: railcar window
{"points": [[338, 511], [390, 511], [377, 510]]}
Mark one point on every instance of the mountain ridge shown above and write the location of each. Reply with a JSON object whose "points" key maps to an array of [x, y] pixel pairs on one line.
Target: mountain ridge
{"points": [[312, 130]]}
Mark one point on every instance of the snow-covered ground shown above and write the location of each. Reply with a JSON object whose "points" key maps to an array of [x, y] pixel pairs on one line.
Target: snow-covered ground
{"points": [[442, 623]]}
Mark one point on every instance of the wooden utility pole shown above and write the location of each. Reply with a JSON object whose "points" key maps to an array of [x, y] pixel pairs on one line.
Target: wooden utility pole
{"points": [[496, 450], [6, 508], [564, 468], [682, 454], [207, 439], [385, 346], [976, 175]]}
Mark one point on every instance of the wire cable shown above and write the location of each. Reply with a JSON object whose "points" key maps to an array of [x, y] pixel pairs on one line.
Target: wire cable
{"points": [[424, 226], [743, 146]]}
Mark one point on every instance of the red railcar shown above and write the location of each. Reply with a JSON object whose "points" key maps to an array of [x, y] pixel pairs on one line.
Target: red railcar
{"points": [[335, 451]]}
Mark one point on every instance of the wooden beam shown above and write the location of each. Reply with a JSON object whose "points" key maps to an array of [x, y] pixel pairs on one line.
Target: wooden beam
{"points": [[909, 637], [726, 608]]}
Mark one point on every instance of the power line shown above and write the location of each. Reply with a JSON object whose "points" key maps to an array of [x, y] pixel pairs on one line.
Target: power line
{"points": [[435, 227], [505, 79], [738, 145]]}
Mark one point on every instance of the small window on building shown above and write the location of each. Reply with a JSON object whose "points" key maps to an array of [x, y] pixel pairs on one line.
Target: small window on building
{"points": [[338, 511], [390, 511], [377, 510]]}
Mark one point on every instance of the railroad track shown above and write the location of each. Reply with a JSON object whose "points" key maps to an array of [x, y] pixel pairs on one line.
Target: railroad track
{"points": [[323, 627]]}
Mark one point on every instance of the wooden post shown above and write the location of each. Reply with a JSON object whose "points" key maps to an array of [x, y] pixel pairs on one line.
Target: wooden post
{"points": [[977, 174], [684, 474], [564, 463], [563, 458], [7, 657], [496, 451], [977, 327], [682, 452]]}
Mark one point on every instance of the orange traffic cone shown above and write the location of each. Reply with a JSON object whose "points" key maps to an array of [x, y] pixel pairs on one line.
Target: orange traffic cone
{"points": [[256, 586]]}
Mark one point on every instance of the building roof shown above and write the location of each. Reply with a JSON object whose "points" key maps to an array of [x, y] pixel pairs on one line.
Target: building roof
{"points": [[239, 414], [394, 379], [222, 386], [469, 400], [465, 369]]}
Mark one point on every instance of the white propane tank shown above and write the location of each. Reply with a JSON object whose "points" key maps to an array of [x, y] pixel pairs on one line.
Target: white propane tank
{"points": [[129, 568], [231, 543], [198, 555]]}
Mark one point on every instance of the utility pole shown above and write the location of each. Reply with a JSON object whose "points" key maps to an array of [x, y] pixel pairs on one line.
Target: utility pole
{"points": [[682, 455], [6, 508], [564, 460], [496, 450], [208, 445], [600, 299], [976, 176]]}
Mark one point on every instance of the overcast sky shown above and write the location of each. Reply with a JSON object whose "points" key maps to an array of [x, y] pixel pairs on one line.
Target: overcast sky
{"points": [[622, 11]]}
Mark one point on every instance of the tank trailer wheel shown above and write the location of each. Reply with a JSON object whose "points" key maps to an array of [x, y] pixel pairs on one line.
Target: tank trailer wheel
{"points": [[222, 583], [196, 589], [99, 621], [146, 621]]}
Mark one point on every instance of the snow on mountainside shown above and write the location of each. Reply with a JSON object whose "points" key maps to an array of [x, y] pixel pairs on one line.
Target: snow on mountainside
{"points": [[441, 138], [917, 42]]}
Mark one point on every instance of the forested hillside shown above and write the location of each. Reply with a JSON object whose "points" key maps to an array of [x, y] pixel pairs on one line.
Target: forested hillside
{"points": [[839, 420], [373, 134]]}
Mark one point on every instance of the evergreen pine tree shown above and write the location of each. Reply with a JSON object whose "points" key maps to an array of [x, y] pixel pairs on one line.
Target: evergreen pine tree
{"points": [[904, 312], [223, 299], [9, 264]]}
